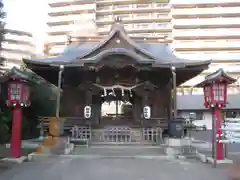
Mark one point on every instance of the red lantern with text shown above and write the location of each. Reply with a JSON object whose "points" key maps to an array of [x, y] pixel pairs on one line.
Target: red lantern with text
{"points": [[215, 93], [18, 93], [18, 97], [215, 98]]}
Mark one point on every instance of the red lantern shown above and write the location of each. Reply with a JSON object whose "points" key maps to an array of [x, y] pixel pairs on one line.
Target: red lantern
{"points": [[215, 89], [215, 97], [215, 93], [18, 93]]}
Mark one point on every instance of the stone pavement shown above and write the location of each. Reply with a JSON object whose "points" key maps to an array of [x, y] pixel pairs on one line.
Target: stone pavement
{"points": [[5, 166], [4, 152], [118, 151], [74, 168]]}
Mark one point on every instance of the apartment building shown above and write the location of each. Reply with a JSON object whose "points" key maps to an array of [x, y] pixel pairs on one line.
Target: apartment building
{"points": [[208, 29], [196, 29], [143, 19], [17, 45]]}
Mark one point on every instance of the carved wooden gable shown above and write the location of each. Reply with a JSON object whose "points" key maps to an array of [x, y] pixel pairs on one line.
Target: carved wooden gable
{"points": [[118, 43]]}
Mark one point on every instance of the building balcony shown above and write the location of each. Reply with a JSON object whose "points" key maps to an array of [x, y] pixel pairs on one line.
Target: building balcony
{"points": [[18, 51], [206, 32], [18, 42], [206, 26], [186, 49], [207, 21], [206, 37], [204, 4], [213, 15], [73, 8], [135, 19], [21, 47], [120, 2], [216, 56], [57, 39], [13, 56], [58, 49], [131, 10], [66, 28], [205, 44], [18, 37], [63, 3], [70, 19], [141, 29], [206, 11], [72, 12]]}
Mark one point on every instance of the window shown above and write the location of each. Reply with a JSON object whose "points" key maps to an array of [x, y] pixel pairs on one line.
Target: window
{"points": [[144, 15], [199, 115], [218, 90], [143, 25], [124, 16], [230, 114], [142, 5], [15, 91], [161, 5], [122, 6]]}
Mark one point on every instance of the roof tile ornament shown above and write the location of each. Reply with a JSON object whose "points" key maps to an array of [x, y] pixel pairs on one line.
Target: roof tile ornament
{"points": [[118, 19]]}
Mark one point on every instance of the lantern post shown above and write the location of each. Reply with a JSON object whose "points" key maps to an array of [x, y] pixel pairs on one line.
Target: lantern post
{"points": [[173, 70], [215, 98], [18, 98]]}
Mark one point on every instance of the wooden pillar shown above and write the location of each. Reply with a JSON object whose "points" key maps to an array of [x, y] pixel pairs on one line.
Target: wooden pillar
{"points": [[159, 103], [137, 109], [96, 110], [89, 98], [170, 101], [145, 102]]}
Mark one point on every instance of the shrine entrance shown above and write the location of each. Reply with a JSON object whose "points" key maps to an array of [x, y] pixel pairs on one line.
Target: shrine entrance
{"points": [[117, 113]]}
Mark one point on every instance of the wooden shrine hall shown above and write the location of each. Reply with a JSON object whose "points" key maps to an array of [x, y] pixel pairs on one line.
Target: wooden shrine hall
{"points": [[117, 68]]}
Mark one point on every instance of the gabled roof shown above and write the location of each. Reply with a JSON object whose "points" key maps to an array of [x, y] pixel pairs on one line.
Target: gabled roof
{"points": [[156, 54], [119, 30], [16, 73], [218, 75]]}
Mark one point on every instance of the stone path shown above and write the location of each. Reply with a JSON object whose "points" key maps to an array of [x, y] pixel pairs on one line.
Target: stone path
{"points": [[66, 168], [4, 152]]}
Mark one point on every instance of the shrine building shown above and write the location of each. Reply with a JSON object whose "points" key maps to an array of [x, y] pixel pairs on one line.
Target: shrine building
{"points": [[121, 69]]}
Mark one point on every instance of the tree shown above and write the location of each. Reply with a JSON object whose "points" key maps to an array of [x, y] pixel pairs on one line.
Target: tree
{"points": [[2, 30]]}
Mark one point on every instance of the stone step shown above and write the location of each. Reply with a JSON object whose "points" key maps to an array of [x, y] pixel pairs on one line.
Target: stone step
{"points": [[121, 143]]}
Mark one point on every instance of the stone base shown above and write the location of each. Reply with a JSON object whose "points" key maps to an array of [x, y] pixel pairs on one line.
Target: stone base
{"points": [[15, 160], [176, 147], [69, 148], [203, 158], [176, 142]]}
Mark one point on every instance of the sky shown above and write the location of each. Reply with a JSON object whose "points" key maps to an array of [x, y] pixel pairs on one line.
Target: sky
{"points": [[27, 15]]}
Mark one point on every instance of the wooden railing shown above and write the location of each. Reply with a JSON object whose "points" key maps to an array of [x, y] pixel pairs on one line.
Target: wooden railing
{"points": [[70, 122]]}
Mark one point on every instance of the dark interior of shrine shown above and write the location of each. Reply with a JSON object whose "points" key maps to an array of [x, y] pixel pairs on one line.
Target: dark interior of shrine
{"points": [[95, 86]]}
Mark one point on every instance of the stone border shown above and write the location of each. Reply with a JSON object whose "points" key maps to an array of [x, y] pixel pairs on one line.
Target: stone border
{"points": [[35, 155], [15, 160], [203, 158]]}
